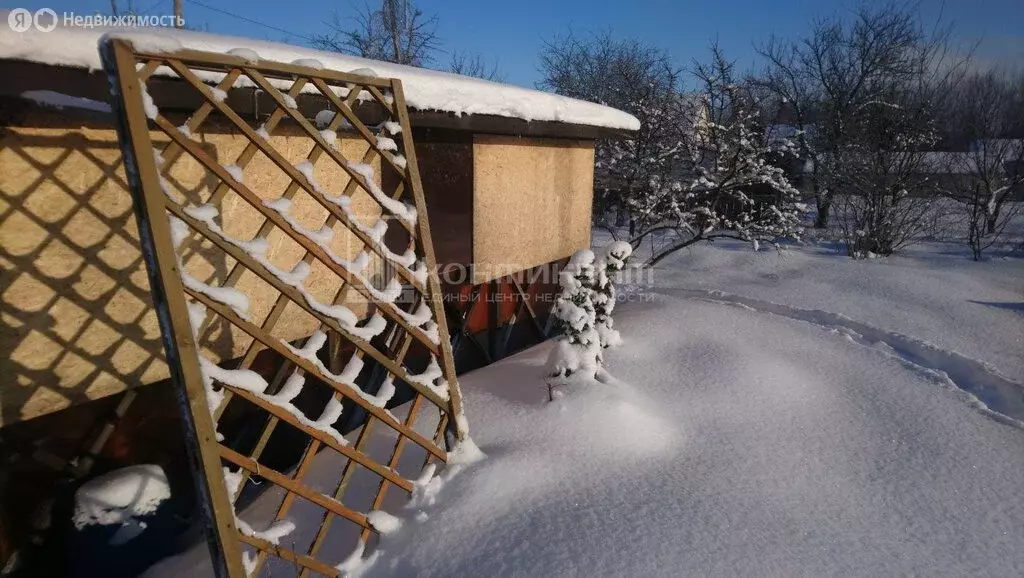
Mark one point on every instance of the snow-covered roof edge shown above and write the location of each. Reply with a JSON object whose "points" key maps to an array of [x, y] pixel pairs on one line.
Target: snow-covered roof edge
{"points": [[424, 89]]}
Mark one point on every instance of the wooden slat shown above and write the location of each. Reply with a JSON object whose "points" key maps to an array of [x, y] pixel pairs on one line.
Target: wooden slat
{"points": [[166, 285], [347, 451], [279, 479], [308, 244], [396, 454], [345, 389], [294, 173], [357, 124], [315, 135], [350, 466], [434, 295], [300, 301], [306, 562]]}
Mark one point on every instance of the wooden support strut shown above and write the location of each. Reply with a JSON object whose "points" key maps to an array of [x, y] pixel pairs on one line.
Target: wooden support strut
{"points": [[165, 283]]}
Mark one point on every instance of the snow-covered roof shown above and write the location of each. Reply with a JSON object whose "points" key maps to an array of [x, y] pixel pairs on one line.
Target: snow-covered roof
{"points": [[424, 89]]}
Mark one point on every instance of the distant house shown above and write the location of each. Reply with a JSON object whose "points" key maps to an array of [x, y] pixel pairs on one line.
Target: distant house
{"points": [[507, 174]]}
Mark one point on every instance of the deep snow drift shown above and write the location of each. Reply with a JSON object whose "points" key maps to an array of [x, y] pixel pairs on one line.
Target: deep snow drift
{"points": [[745, 442]]}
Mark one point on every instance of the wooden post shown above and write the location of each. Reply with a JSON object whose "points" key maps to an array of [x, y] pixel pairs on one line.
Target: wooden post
{"points": [[493, 339], [172, 313], [433, 293]]}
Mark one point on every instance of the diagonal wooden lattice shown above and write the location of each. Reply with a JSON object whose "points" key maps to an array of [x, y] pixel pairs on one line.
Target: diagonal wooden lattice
{"points": [[402, 316]]}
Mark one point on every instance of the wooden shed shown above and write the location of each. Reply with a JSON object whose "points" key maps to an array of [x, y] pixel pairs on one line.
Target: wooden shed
{"points": [[507, 174]]}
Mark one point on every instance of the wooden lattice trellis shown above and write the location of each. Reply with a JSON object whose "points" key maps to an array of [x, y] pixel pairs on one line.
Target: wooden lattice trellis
{"points": [[384, 341]]}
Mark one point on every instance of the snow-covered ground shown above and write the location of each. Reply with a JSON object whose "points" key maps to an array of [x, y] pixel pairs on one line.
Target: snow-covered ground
{"points": [[753, 435], [794, 414]]}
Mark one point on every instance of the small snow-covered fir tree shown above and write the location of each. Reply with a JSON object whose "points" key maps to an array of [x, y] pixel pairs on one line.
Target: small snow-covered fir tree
{"points": [[612, 259], [578, 348], [583, 313]]}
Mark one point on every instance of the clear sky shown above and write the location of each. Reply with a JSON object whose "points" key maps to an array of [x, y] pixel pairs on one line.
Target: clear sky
{"points": [[513, 32]]}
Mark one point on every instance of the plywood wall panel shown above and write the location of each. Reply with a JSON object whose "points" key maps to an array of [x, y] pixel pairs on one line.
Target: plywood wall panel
{"points": [[75, 308], [531, 202]]}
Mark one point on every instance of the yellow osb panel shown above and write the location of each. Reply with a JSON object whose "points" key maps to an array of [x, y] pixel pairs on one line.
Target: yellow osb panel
{"points": [[531, 202], [74, 293]]}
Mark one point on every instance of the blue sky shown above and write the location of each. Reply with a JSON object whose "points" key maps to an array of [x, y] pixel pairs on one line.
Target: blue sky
{"points": [[513, 32]]}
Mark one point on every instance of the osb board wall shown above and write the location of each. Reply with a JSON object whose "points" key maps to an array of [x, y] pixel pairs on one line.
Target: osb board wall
{"points": [[74, 298], [531, 202]]}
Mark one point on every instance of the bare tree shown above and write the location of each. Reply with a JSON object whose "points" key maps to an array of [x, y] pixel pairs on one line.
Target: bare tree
{"points": [[731, 185], [474, 65], [832, 79], [398, 32], [988, 111], [634, 77]]}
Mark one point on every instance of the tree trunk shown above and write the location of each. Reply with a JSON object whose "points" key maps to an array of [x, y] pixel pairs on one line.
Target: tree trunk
{"points": [[990, 224], [824, 208]]}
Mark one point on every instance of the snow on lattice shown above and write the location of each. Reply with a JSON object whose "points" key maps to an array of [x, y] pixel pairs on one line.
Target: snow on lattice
{"points": [[120, 496], [420, 272], [431, 331], [384, 522], [399, 161], [183, 129], [281, 205], [233, 298], [218, 94], [158, 156], [421, 315], [424, 89], [272, 534], [233, 480], [392, 127], [61, 101], [257, 249], [244, 379], [308, 62], [387, 144], [147, 102], [431, 377], [248, 562], [262, 131], [384, 393], [364, 72], [179, 231], [376, 234], [330, 137], [290, 390], [247, 54], [207, 214], [355, 565], [398, 208], [347, 376], [255, 384], [289, 100], [196, 316], [324, 117], [235, 171]]}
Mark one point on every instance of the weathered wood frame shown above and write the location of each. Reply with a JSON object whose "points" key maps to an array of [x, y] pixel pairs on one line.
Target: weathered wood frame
{"points": [[130, 69]]}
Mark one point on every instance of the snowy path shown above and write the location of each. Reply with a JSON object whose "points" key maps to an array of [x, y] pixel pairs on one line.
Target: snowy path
{"points": [[747, 444], [1000, 397]]}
